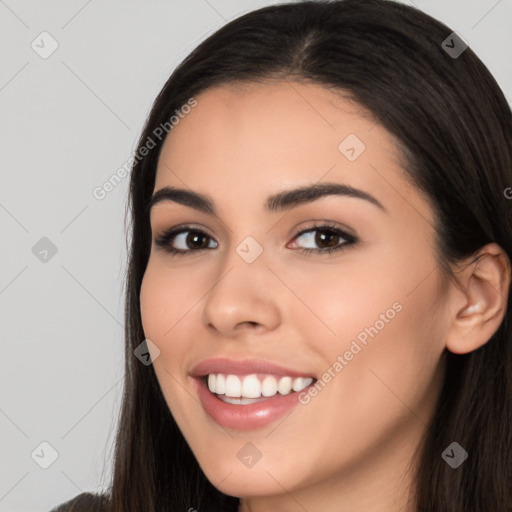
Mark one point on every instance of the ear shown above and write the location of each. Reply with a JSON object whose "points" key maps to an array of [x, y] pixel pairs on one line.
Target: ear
{"points": [[480, 304]]}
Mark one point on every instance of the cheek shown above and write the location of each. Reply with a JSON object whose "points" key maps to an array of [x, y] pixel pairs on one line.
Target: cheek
{"points": [[163, 307], [392, 347], [338, 302], [391, 372], [162, 313], [381, 316], [166, 298]]}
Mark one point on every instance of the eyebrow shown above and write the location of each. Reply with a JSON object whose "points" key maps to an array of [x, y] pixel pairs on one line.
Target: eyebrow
{"points": [[275, 203]]}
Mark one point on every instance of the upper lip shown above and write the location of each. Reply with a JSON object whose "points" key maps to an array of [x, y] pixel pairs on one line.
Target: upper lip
{"points": [[244, 367]]}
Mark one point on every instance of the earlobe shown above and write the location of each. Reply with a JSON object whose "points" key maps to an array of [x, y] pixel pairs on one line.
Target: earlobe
{"points": [[485, 282]]}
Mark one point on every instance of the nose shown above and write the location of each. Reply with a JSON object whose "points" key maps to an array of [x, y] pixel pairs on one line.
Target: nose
{"points": [[241, 298]]}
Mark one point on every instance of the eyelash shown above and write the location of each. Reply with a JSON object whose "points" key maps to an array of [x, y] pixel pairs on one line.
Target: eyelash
{"points": [[164, 240]]}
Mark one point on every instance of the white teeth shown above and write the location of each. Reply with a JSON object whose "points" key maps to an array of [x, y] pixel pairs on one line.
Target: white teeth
{"points": [[269, 386], [251, 387], [241, 400], [211, 381], [220, 384], [285, 385], [233, 386], [298, 384]]}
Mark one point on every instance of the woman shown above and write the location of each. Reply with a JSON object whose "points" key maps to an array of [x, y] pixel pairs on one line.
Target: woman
{"points": [[320, 273]]}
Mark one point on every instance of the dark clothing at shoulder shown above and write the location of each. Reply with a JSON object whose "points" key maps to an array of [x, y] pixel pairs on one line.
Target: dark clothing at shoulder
{"points": [[85, 502]]}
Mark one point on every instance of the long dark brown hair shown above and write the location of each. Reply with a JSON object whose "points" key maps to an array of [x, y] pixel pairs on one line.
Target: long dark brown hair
{"points": [[454, 128]]}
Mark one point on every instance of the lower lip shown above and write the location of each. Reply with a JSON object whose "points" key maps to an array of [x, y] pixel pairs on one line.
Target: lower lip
{"points": [[246, 417]]}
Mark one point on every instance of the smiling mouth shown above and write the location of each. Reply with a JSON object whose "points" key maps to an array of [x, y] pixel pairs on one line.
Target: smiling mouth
{"points": [[253, 388]]}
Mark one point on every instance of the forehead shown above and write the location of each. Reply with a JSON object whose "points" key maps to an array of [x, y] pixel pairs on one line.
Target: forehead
{"points": [[280, 114], [255, 139]]}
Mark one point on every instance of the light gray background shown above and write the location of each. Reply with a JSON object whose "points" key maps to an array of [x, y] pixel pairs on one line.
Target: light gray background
{"points": [[68, 122]]}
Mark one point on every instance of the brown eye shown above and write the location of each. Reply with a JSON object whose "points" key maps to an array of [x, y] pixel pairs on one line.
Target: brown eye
{"points": [[196, 240], [327, 239], [184, 240]]}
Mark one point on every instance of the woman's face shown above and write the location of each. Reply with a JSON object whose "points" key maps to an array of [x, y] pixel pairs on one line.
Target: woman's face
{"points": [[365, 322]]}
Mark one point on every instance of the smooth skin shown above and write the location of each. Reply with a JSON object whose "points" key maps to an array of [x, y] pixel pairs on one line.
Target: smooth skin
{"points": [[351, 446]]}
